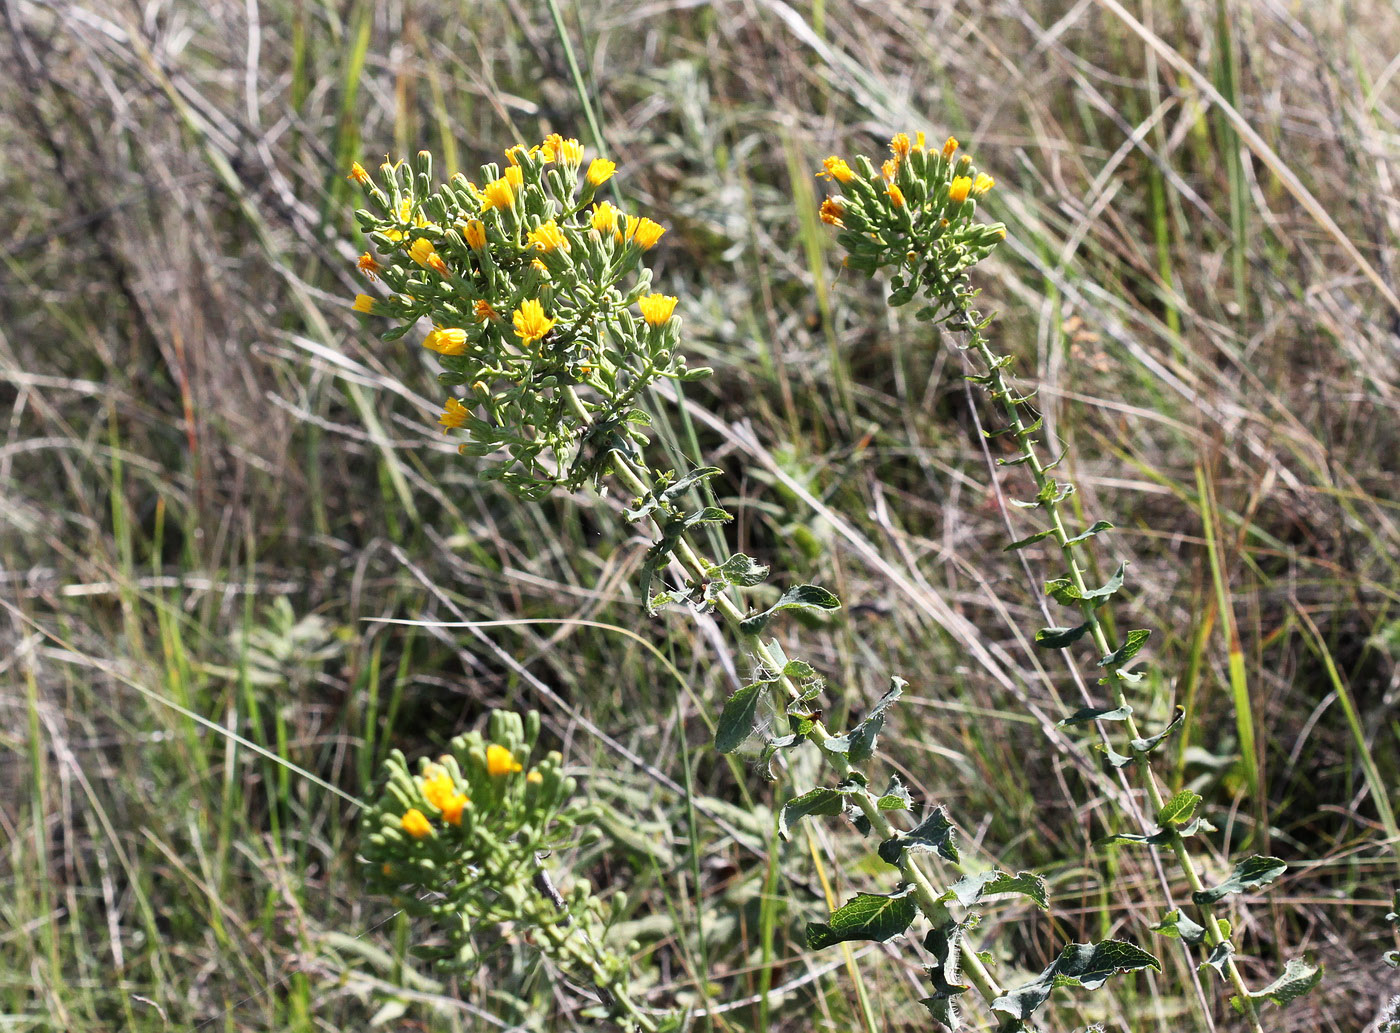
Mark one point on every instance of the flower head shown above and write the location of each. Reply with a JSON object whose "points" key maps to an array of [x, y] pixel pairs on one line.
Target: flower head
{"points": [[497, 194], [548, 237], [368, 266], [604, 218], [657, 308], [474, 234], [959, 188], [920, 141], [530, 321], [446, 340], [571, 152], [950, 147], [534, 778], [421, 250], [483, 311], [437, 265], [600, 170], [453, 415], [899, 146], [515, 177], [405, 210], [890, 169], [982, 184], [896, 196], [837, 169], [645, 232], [551, 146], [500, 761], [364, 303], [831, 212], [358, 173], [415, 824], [440, 791], [514, 152]]}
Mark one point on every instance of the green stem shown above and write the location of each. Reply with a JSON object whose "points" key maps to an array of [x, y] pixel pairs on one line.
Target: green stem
{"points": [[1012, 405], [925, 894]]}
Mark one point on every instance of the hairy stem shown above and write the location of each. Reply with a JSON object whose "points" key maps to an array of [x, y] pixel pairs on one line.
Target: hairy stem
{"points": [[925, 893], [1013, 407]]}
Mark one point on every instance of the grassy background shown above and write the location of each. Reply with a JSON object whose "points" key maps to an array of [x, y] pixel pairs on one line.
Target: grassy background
{"points": [[213, 480]]}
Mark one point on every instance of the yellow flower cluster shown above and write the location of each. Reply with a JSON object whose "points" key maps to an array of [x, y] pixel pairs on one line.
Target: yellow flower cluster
{"points": [[440, 790]]}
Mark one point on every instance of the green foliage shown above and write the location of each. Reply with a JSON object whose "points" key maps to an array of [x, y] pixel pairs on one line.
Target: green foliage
{"points": [[1079, 964], [868, 916], [1248, 874]]}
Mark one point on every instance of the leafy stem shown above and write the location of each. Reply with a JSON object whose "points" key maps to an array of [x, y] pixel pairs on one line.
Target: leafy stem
{"points": [[1049, 496], [925, 894]]}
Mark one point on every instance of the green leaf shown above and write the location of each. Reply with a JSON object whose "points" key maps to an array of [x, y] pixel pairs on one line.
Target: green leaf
{"points": [[1099, 525], [739, 719], [803, 597], [1139, 747], [896, 796], [1218, 957], [689, 481], [1060, 638], [1249, 874], [935, 832], [1179, 808], [1079, 964], [1298, 978], [1163, 836], [818, 801], [1085, 715], [943, 943], [859, 743], [867, 916], [742, 571], [708, 515], [1178, 926], [1063, 590], [970, 889], [1130, 648], [1023, 542]]}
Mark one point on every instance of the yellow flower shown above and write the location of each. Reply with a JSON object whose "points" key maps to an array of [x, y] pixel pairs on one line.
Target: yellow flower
{"points": [[958, 189], [896, 196], [368, 265], [513, 153], [950, 146], [364, 303], [415, 824], [515, 177], [552, 145], [405, 210], [534, 778], [900, 146], [483, 311], [604, 217], [452, 808], [890, 169], [475, 234], [982, 184], [920, 141], [437, 265], [358, 173], [657, 308], [498, 194], [499, 761], [837, 169], [530, 321], [420, 249], [446, 341], [832, 211], [438, 788], [645, 232], [571, 152], [600, 170], [548, 237], [454, 415]]}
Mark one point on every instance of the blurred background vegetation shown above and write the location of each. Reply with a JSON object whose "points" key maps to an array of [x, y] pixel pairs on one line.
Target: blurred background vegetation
{"points": [[214, 479]]}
